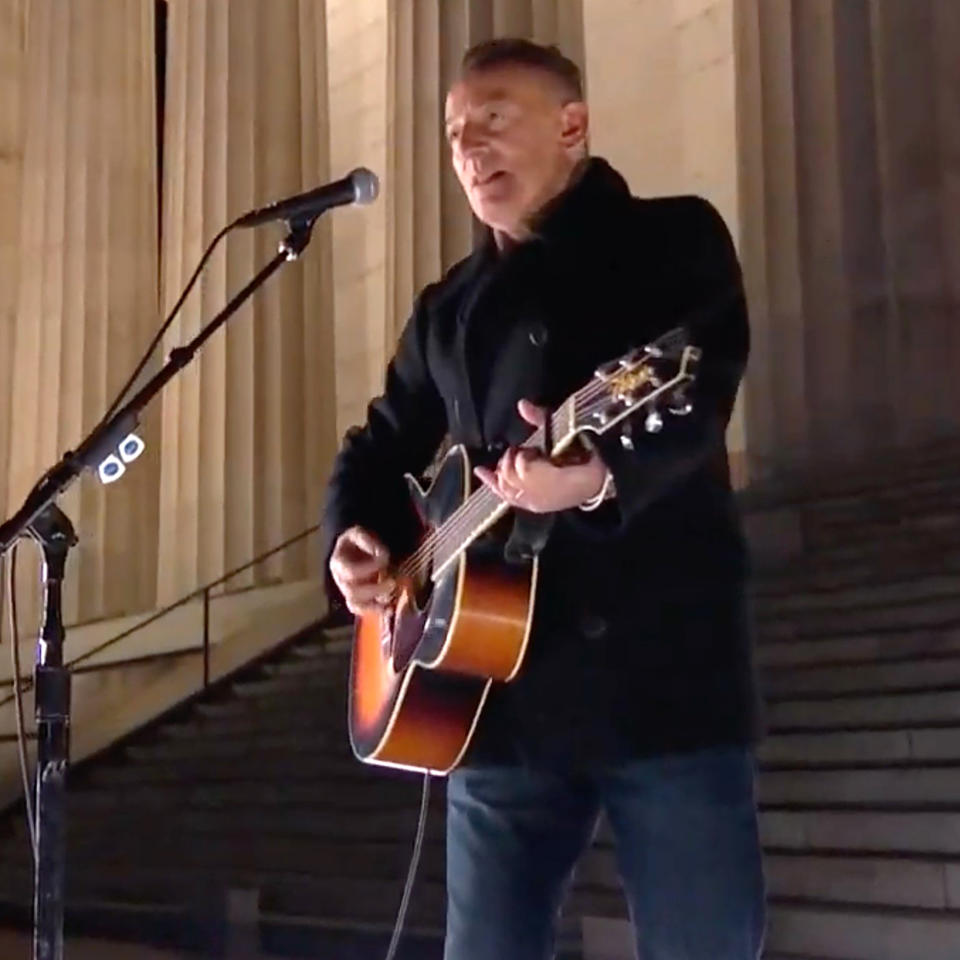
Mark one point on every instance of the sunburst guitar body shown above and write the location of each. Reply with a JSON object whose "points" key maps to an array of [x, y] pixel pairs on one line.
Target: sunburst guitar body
{"points": [[422, 670], [461, 619]]}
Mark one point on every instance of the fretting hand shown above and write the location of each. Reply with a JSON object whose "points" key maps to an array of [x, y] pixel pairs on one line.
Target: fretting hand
{"points": [[527, 479]]}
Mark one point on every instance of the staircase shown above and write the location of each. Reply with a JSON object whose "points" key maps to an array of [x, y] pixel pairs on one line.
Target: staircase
{"points": [[242, 818], [859, 646], [249, 800]]}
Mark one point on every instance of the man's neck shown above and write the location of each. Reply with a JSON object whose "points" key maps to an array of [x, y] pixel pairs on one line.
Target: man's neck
{"points": [[528, 227]]}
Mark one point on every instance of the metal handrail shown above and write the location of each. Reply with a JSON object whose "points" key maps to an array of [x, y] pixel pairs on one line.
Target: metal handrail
{"points": [[203, 592]]}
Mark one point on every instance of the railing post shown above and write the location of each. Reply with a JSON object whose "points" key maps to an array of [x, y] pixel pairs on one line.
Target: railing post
{"points": [[206, 637]]}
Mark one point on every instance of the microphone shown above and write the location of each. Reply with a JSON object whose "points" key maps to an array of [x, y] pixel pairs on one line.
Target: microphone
{"points": [[359, 186]]}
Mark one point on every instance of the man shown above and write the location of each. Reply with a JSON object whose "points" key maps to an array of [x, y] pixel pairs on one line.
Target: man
{"points": [[636, 696]]}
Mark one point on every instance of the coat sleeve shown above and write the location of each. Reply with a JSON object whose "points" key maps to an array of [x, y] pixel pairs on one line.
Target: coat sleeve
{"points": [[709, 290], [404, 428]]}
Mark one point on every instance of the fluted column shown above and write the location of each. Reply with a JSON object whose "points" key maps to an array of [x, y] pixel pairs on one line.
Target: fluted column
{"points": [[661, 76], [849, 120], [12, 50], [429, 225], [248, 429], [87, 292], [916, 73]]}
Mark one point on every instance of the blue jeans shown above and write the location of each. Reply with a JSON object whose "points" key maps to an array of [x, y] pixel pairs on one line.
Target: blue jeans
{"points": [[685, 830]]}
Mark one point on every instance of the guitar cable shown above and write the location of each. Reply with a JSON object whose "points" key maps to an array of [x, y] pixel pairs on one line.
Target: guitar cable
{"points": [[411, 870], [18, 690]]}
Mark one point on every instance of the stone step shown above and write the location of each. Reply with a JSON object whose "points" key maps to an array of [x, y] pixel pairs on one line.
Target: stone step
{"points": [[812, 930], [303, 898], [340, 899], [821, 574], [241, 725], [333, 640], [311, 667], [935, 487], [896, 550], [905, 512], [355, 788], [874, 787], [348, 816], [916, 497], [908, 588], [786, 682], [118, 831], [300, 743], [939, 611], [881, 547], [942, 519], [778, 955], [865, 712], [932, 883], [934, 641], [861, 747], [935, 832], [884, 470], [292, 703], [281, 687], [281, 768], [835, 931], [264, 855]]}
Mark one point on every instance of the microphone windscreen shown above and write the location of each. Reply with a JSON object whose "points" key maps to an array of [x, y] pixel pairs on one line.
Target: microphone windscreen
{"points": [[366, 186]]}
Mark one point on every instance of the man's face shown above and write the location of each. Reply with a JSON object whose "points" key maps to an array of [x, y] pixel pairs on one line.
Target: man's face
{"points": [[513, 142]]}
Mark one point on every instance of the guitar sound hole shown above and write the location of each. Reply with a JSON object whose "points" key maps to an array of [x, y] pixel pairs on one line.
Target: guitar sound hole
{"points": [[408, 624]]}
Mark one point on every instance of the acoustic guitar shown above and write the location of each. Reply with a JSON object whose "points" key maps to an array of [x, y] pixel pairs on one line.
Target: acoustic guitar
{"points": [[459, 620]]}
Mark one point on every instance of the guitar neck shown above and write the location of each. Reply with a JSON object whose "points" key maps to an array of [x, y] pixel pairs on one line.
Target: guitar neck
{"points": [[483, 508], [619, 388]]}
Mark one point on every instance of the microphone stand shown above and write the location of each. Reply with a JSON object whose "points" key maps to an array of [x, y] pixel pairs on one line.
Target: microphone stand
{"points": [[54, 532], [40, 518]]}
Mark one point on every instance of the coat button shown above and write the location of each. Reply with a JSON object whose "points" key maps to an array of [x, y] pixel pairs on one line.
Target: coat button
{"points": [[592, 626], [538, 335]]}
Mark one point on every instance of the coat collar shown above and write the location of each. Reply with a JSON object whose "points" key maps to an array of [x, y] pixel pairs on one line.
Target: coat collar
{"points": [[568, 228], [569, 219]]}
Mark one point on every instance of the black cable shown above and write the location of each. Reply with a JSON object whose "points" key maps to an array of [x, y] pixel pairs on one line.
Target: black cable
{"points": [[158, 336], [411, 870], [145, 359], [18, 696]]}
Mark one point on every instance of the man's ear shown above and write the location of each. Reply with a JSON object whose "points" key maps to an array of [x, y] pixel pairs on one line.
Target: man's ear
{"points": [[575, 124]]}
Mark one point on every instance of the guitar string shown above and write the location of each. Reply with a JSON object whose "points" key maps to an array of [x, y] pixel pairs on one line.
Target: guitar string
{"points": [[480, 507], [483, 502], [469, 518]]}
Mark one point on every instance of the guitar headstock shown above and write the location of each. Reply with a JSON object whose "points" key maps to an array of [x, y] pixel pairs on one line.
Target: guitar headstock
{"points": [[654, 378]]}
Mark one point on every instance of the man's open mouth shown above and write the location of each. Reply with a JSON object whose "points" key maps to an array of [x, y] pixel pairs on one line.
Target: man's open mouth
{"points": [[489, 178]]}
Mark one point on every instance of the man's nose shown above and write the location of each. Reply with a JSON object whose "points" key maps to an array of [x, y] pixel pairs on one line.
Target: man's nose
{"points": [[472, 137]]}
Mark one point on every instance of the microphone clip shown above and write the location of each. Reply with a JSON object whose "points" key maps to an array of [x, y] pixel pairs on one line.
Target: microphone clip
{"points": [[297, 238]]}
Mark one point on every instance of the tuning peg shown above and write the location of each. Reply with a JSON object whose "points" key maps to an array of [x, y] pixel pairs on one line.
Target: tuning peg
{"points": [[680, 404], [626, 436], [654, 422]]}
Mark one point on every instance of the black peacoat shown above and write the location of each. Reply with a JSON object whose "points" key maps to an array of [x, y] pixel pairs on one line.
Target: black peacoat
{"points": [[640, 641]]}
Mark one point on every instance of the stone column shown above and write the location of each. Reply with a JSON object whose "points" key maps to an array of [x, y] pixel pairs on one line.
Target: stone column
{"points": [[12, 51], [357, 32], [916, 72], [87, 292], [661, 76], [248, 428], [849, 126]]}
